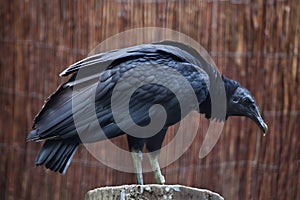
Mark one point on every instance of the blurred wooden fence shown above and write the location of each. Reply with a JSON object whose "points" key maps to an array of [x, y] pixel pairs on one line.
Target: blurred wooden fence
{"points": [[254, 42]]}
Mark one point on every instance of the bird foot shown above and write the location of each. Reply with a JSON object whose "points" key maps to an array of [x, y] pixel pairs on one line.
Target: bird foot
{"points": [[159, 178], [139, 177]]}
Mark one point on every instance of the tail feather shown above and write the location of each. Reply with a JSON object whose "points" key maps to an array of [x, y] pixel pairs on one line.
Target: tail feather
{"points": [[64, 163], [56, 155]]}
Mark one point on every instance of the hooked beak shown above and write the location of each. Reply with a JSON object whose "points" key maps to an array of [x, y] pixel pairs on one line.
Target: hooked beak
{"points": [[256, 117]]}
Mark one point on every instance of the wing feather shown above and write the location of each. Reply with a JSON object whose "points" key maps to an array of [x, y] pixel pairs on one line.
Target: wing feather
{"points": [[56, 117]]}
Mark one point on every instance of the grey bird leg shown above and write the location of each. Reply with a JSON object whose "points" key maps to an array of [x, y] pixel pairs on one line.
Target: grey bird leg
{"points": [[137, 163], [159, 178]]}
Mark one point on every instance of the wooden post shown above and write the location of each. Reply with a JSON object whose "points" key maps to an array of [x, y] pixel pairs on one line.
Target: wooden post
{"points": [[126, 192]]}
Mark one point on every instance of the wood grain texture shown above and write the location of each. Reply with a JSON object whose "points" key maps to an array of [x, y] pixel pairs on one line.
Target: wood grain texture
{"points": [[254, 42]]}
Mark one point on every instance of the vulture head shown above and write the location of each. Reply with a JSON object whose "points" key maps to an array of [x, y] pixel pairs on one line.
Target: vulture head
{"points": [[240, 102]]}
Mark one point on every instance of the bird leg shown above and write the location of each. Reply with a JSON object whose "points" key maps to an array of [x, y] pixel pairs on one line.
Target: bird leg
{"points": [[137, 157], [159, 178]]}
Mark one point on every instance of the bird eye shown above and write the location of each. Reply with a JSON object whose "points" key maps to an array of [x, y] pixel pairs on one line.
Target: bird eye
{"points": [[235, 100]]}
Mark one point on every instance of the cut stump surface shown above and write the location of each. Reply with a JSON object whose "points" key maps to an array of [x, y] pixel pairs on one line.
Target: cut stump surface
{"points": [[156, 192]]}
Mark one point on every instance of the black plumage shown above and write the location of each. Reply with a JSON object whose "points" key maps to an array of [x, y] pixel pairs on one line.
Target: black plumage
{"points": [[55, 123]]}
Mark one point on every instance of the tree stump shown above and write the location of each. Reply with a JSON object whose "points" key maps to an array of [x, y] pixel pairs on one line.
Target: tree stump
{"points": [[145, 192]]}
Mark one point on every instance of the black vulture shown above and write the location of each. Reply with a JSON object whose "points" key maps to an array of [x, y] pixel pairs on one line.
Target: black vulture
{"points": [[55, 123]]}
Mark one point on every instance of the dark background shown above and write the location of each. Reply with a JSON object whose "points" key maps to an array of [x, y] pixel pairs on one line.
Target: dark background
{"points": [[254, 42]]}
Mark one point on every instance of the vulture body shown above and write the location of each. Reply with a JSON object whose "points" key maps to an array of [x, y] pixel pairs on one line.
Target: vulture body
{"points": [[94, 82]]}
